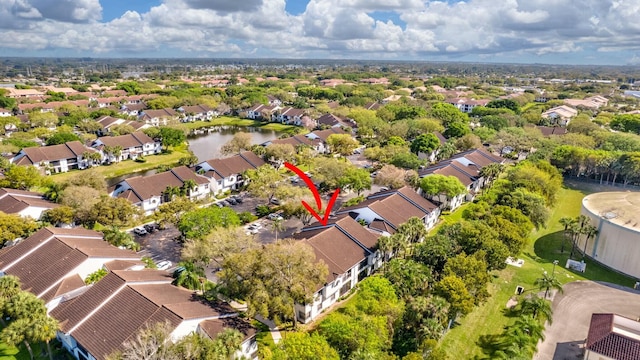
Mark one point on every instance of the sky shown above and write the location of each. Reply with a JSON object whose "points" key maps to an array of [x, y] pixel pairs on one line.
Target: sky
{"points": [[602, 32]]}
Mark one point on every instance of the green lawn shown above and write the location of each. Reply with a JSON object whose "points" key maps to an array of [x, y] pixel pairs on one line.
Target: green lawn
{"points": [[130, 166], [451, 218], [461, 342], [235, 121]]}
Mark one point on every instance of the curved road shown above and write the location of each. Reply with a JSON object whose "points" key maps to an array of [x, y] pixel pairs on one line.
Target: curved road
{"points": [[572, 311]]}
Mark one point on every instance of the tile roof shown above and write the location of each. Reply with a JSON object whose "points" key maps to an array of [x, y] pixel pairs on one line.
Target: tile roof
{"points": [[135, 139], [213, 327], [552, 130], [341, 244], [47, 257], [68, 284], [235, 164], [68, 150], [146, 187], [394, 206], [196, 109], [116, 308], [162, 113], [14, 201], [465, 166], [614, 336]]}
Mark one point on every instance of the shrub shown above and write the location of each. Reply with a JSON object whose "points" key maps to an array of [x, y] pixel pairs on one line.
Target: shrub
{"points": [[247, 217], [263, 210]]}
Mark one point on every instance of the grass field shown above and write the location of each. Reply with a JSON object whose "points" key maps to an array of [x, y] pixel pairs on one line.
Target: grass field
{"points": [[130, 166], [235, 121], [461, 342]]}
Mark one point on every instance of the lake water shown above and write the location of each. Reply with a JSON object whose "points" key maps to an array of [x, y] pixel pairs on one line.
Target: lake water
{"points": [[207, 146]]}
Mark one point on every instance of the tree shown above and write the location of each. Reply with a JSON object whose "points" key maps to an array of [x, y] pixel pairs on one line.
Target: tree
{"points": [[329, 171], [343, 144], [95, 276], [189, 275], [274, 278], [547, 282], [151, 343], [198, 223], [454, 290], [355, 179], [407, 160], [472, 269], [171, 212], [566, 222], [118, 238], [425, 143], [240, 141], [13, 226], [448, 114], [435, 185], [409, 278], [491, 171], [390, 176], [61, 138], [263, 181], [90, 178], [171, 137], [121, 129], [504, 103], [280, 153], [304, 346], [21, 177], [218, 245], [113, 211], [277, 225], [457, 129], [536, 307]]}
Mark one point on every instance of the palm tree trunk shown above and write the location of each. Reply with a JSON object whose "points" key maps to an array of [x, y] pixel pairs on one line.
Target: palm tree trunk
{"points": [[26, 343], [49, 350]]}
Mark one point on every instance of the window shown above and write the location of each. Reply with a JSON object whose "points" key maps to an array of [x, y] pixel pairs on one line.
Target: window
{"points": [[363, 264]]}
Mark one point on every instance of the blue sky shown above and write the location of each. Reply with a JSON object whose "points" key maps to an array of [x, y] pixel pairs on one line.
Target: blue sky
{"points": [[516, 31]]}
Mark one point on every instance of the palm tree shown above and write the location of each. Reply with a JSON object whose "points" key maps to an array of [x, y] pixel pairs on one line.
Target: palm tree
{"points": [[385, 245], [188, 186], [566, 222], [413, 229], [547, 282], [277, 225], [188, 275], [491, 171], [591, 232], [44, 328], [9, 287], [575, 230], [537, 307]]}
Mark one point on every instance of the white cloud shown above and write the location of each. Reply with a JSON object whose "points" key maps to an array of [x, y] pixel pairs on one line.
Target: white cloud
{"points": [[327, 28]]}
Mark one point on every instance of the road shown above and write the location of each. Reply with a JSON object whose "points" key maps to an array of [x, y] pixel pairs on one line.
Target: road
{"points": [[572, 311]]}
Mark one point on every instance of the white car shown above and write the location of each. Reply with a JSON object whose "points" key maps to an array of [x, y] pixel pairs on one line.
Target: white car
{"points": [[164, 265]]}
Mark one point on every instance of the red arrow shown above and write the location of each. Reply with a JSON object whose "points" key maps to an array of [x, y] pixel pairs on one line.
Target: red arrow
{"points": [[316, 195]]}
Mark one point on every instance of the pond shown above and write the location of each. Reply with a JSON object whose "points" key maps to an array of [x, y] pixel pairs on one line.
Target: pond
{"points": [[207, 145]]}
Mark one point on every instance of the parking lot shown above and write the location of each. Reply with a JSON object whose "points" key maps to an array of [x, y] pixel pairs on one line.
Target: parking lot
{"points": [[565, 337], [160, 245]]}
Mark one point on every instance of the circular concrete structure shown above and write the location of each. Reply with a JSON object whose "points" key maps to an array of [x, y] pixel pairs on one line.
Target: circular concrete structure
{"points": [[616, 215]]}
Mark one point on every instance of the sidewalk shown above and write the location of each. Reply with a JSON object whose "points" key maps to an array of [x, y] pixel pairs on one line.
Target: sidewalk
{"points": [[273, 329]]}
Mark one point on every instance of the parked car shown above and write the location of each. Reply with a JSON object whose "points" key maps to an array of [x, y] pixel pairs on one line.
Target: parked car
{"points": [[164, 265], [224, 203], [140, 231], [275, 216], [219, 205], [151, 228], [238, 199], [232, 201], [384, 188], [275, 201]]}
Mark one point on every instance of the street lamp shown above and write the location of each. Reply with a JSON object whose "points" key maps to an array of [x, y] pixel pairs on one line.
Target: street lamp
{"points": [[555, 262]]}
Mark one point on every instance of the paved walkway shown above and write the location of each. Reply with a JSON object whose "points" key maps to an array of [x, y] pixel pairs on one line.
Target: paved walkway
{"points": [[273, 329]]}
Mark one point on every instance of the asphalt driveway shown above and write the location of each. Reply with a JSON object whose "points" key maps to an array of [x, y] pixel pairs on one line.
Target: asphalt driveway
{"points": [[564, 339]]}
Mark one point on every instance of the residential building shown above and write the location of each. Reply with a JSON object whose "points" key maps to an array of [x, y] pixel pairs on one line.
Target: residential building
{"points": [[196, 113], [133, 109], [349, 251], [612, 337], [23, 93], [261, 112], [158, 117], [5, 112], [148, 192], [227, 173], [274, 101], [372, 106], [53, 262], [466, 105], [330, 120], [107, 122], [24, 203], [385, 211], [591, 102], [289, 115], [560, 115], [132, 145], [466, 167], [113, 311], [54, 158]]}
